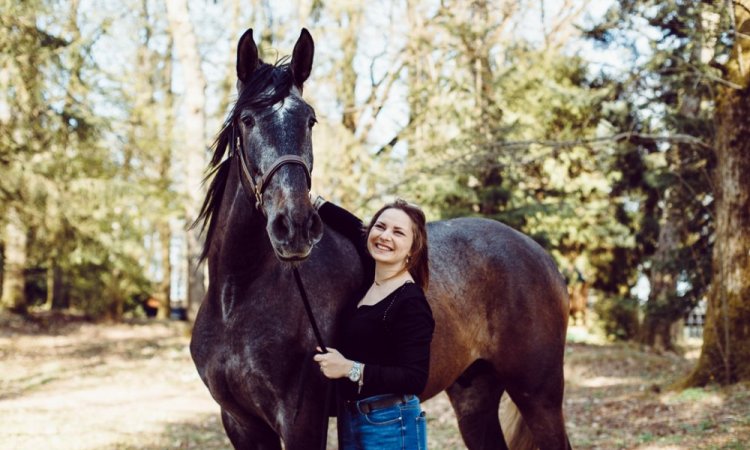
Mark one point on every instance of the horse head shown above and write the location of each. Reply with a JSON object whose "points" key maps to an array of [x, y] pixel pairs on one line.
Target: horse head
{"points": [[273, 136]]}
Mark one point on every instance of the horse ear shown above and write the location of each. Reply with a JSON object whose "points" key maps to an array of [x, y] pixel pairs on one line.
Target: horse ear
{"points": [[302, 58], [247, 56]]}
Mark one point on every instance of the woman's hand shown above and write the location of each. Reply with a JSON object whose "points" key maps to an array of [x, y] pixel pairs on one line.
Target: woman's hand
{"points": [[333, 364]]}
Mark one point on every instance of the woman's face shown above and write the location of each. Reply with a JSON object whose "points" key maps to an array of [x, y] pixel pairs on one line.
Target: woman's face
{"points": [[391, 237]]}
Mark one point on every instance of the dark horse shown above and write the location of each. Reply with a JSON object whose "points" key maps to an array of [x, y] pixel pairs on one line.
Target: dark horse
{"points": [[499, 302]]}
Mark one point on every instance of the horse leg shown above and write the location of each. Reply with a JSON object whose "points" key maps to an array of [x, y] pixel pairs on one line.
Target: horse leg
{"points": [[542, 413], [475, 397], [251, 434]]}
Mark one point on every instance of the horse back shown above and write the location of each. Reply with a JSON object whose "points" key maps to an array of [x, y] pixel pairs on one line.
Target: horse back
{"points": [[496, 295]]}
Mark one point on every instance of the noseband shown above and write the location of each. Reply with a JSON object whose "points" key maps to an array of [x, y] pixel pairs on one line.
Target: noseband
{"points": [[256, 190]]}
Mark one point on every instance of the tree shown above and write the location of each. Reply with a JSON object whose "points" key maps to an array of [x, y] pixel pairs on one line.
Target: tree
{"points": [[194, 140], [668, 99], [62, 178], [14, 264], [499, 128], [725, 356]]}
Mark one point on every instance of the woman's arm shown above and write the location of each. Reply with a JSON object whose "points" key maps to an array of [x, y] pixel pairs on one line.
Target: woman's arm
{"points": [[351, 227], [342, 221]]}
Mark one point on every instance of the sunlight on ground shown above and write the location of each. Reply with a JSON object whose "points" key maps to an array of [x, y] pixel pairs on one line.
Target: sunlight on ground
{"points": [[100, 387], [584, 335], [133, 386], [596, 382]]}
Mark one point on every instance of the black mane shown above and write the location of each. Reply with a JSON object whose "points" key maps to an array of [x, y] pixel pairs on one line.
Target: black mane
{"points": [[269, 84]]}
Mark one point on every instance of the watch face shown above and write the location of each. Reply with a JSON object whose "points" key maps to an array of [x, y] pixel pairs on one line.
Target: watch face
{"points": [[354, 372]]}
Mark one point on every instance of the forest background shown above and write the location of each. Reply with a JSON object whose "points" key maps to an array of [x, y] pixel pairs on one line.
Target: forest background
{"points": [[615, 135]]}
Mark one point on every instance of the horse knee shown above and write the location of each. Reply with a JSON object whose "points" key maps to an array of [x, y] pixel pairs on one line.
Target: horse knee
{"points": [[251, 434]]}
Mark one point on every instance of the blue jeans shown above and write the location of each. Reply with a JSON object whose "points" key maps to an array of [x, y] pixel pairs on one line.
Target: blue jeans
{"points": [[400, 426]]}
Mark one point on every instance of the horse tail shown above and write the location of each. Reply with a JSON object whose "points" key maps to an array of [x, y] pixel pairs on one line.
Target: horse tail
{"points": [[517, 433]]}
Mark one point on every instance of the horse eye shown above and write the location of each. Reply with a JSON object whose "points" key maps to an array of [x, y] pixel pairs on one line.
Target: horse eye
{"points": [[248, 121], [312, 122]]}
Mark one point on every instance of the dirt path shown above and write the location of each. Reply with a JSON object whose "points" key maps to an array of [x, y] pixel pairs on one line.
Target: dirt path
{"points": [[102, 387], [133, 386]]}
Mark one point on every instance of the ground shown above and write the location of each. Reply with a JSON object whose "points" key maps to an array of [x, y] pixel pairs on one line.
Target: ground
{"points": [[70, 384]]}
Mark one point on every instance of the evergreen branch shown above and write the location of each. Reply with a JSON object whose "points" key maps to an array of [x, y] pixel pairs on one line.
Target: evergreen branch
{"points": [[619, 137]]}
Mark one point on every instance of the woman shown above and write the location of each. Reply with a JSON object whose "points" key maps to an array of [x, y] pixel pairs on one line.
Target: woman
{"points": [[387, 329]]}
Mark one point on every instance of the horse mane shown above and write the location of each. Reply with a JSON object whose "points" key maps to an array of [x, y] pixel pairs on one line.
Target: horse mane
{"points": [[268, 84]]}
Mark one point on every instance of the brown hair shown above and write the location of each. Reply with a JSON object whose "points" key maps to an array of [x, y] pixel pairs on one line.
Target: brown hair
{"points": [[418, 264]]}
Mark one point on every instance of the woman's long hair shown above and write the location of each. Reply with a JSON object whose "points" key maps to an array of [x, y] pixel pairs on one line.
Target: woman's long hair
{"points": [[418, 261]]}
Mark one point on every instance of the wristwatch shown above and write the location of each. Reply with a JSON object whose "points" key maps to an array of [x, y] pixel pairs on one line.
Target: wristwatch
{"points": [[355, 373]]}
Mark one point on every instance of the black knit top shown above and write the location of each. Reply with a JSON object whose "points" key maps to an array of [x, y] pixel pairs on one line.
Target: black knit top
{"points": [[392, 337]]}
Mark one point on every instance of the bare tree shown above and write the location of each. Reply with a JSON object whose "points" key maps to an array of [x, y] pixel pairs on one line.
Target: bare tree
{"points": [[193, 144]]}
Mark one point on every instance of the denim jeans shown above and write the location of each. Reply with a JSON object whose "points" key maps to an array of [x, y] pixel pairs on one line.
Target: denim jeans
{"points": [[401, 426]]}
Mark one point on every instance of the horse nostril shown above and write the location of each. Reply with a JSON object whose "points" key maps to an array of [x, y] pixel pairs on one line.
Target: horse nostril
{"points": [[280, 228], [314, 227]]}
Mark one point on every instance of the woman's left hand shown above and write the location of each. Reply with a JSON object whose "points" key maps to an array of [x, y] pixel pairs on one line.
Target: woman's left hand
{"points": [[333, 364]]}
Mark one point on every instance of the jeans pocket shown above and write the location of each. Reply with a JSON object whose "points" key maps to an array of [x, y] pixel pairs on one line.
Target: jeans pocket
{"points": [[421, 426], [384, 416]]}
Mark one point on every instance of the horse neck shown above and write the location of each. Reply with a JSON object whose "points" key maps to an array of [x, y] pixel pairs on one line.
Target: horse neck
{"points": [[240, 243]]}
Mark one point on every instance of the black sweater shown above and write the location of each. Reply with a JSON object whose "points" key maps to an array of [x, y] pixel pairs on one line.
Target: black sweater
{"points": [[392, 338]]}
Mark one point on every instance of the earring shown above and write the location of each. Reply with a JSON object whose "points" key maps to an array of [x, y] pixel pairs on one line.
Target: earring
{"points": [[408, 259]]}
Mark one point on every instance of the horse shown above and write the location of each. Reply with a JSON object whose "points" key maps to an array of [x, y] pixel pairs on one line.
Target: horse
{"points": [[499, 303]]}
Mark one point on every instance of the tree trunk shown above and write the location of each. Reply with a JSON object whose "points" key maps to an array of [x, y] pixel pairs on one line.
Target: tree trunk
{"points": [[194, 145], [663, 308], [55, 287], [165, 286], [14, 281], [227, 87], [725, 356], [117, 301]]}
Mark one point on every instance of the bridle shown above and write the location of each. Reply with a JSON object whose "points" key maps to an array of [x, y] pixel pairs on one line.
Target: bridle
{"points": [[256, 189]]}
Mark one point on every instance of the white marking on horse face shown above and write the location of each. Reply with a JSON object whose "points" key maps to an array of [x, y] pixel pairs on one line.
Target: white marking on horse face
{"points": [[282, 107]]}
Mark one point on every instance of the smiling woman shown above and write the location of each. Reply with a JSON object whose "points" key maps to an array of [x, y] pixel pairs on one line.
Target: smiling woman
{"points": [[386, 331]]}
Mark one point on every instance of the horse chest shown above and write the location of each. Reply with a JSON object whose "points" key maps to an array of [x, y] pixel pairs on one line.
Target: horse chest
{"points": [[249, 377], [243, 355]]}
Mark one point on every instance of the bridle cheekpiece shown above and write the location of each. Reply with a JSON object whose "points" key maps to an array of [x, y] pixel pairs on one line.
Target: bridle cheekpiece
{"points": [[256, 189]]}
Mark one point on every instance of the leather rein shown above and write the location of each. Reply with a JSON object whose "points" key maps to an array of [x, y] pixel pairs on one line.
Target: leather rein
{"points": [[253, 189]]}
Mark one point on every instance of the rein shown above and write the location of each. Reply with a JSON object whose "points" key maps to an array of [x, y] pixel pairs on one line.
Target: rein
{"points": [[256, 190], [308, 309], [319, 338]]}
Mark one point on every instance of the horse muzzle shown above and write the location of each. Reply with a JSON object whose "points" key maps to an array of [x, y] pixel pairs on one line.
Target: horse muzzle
{"points": [[293, 236]]}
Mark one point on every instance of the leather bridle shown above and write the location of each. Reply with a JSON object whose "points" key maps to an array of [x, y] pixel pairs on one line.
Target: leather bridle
{"points": [[256, 189]]}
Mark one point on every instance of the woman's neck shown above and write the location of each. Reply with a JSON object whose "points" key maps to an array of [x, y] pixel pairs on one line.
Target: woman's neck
{"points": [[390, 273]]}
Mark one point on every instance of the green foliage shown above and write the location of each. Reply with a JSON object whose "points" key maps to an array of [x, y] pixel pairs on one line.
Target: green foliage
{"points": [[85, 202], [666, 183], [497, 126], [511, 141], [618, 317]]}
